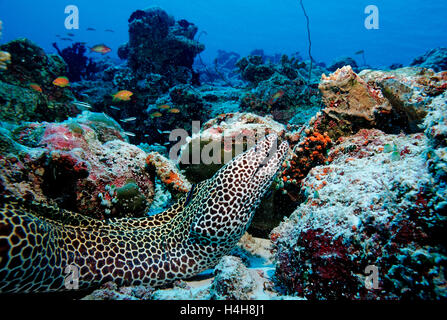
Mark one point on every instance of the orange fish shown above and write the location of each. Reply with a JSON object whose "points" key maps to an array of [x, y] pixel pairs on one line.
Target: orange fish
{"points": [[35, 87], [174, 110], [165, 106], [276, 97], [62, 82], [123, 95], [156, 114], [100, 48]]}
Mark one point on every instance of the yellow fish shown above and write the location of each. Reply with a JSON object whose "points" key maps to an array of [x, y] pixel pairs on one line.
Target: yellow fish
{"points": [[174, 110], [62, 82], [123, 95], [165, 106]]}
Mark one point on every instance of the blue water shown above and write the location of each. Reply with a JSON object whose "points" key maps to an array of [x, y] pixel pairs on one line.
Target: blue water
{"points": [[406, 28]]}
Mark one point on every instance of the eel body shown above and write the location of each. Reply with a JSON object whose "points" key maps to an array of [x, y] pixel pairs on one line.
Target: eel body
{"points": [[46, 249]]}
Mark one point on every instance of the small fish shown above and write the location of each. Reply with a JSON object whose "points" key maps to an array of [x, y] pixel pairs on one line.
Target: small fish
{"points": [[164, 107], [123, 95], [91, 29], [360, 52], [114, 108], [276, 97], [66, 39], [100, 48], [174, 110], [163, 132], [129, 119], [70, 34], [109, 30], [35, 87], [156, 114], [130, 134], [58, 36], [61, 82], [82, 104]]}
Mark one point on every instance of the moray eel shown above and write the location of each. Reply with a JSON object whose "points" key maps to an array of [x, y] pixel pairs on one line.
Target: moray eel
{"points": [[46, 249]]}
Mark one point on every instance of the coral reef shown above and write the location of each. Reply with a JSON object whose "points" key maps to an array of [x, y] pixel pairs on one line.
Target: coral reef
{"points": [[392, 101], [79, 66], [83, 164], [30, 64], [168, 173], [435, 59], [159, 44], [280, 89], [374, 204], [27, 92], [342, 62]]}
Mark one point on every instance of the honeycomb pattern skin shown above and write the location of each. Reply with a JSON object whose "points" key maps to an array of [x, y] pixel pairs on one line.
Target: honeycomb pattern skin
{"points": [[38, 242]]}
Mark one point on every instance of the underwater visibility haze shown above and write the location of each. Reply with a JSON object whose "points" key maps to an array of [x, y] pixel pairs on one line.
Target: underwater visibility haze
{"points": [[242, 150]]}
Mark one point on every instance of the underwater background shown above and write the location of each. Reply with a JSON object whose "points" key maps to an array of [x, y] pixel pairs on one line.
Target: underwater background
{"points": [[112, 122], [407, 28]]}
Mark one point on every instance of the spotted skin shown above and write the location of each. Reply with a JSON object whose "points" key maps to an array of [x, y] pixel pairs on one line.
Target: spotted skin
{"points": [[38, 242]]}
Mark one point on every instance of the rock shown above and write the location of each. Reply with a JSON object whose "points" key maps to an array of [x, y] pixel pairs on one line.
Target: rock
{"points": [[436, 131], [253, 69], [435, 59], [82, 164], [395, 66], [227, 60], [341, 62], [373, 205], [30, 66], [168, 173], [281, 89], [159, 44], [232, 280], [110, 291], [348, 96], [392, 101]]}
